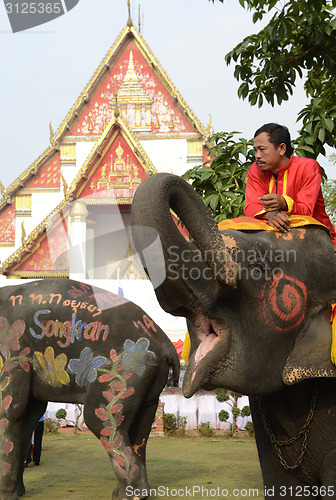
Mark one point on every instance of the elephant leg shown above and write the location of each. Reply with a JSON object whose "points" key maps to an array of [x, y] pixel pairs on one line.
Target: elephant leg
{"points": [[279, 483], [12, 413], [138, 433], [111, 423], [35, 410], [328, 474]]}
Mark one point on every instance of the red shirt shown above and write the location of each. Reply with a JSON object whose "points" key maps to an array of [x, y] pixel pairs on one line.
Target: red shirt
{"points": [[299, 182]]}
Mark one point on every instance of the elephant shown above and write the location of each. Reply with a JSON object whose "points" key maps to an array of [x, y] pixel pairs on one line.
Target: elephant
{"points": [[259, 305], [65, 341]]}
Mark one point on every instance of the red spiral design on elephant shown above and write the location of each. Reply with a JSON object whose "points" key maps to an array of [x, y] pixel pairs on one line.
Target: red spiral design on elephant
{"points": [[284, 303]]}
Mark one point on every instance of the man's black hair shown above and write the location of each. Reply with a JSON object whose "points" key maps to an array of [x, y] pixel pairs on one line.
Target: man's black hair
{"points": [[277, 135]]}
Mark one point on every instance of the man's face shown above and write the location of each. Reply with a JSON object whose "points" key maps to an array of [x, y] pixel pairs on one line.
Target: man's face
{"points": [[268, 157]]}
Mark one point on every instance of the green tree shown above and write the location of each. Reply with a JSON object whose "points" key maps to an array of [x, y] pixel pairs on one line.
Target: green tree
{"points": [[329, 193], [299, 41], [231, 398], [62, 414], [221, 180]]}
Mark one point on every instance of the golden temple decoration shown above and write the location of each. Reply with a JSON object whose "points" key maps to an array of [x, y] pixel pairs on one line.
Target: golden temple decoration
{"points": [[116, 111], [65, 185], [194, 151], [68, 154], [23, 205], [23, 234], [208, 128], [129, 21], [132, 94], [171, 124], [52, 135], [118, 174], [2, 189]]}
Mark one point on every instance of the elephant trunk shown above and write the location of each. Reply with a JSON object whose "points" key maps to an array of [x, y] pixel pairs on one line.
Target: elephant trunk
{"points": [[168, 258]]}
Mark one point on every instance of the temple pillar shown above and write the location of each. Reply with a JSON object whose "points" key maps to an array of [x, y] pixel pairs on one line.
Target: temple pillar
{"points": [[90, 256], [78, 236]]}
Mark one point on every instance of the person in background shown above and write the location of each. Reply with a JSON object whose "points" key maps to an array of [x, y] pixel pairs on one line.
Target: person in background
{"points": [[35, 448]]}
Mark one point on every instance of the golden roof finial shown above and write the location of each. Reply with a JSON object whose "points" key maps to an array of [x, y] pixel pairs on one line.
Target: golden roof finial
{"points": [[2, 189], [208, 128], [65, 184], [23, 233], [52, 135], [139, 22], [129, 21], [116, 111]]}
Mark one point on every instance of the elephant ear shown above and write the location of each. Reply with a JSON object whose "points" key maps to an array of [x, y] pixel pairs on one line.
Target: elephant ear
{"points": [[310, 356]]}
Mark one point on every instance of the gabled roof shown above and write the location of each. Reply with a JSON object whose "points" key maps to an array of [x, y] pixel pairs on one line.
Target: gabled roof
{"points": [[23, 260], [108, 143], [128, 34]]}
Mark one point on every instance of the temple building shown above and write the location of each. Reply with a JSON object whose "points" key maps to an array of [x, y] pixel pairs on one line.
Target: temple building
{"points": [[68, 214]]}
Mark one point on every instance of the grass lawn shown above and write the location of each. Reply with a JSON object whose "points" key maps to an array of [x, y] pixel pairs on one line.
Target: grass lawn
{"points": [[78, 468]]}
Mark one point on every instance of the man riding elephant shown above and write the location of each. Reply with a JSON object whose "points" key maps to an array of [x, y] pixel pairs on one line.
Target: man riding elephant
{"points": [[279, 184]]}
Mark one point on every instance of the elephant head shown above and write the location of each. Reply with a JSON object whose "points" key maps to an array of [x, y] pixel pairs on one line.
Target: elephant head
{"points": [[258, 302]]}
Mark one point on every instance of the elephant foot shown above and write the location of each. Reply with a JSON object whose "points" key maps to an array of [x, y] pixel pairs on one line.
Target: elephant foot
{"points": [[9, 496], [20, 489]]}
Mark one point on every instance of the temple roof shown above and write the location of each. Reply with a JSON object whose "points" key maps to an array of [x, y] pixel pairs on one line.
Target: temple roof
{"points": [[101, 180], [92, 110]]}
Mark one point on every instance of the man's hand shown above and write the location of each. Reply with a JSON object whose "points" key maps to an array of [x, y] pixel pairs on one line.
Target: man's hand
{"points": [[273, 202], [278, 220]]}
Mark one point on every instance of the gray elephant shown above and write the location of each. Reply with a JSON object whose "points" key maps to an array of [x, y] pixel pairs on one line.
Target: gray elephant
{"points": [[61, 340], [259, 303]]}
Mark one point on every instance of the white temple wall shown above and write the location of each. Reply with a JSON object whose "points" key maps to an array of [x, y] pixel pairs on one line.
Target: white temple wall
{"points": [[69, 173], [42, 204], [5, 252], [111, 243], [167, 155], [82, 151]]}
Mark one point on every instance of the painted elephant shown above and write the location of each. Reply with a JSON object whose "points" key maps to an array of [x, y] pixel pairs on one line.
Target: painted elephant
{"points": [[61, 340], [259, 303]]}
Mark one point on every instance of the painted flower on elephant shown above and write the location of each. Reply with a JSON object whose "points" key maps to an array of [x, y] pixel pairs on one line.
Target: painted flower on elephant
{"points": [[9, 335], [137, 356], [114, 376], [86, 366], [51, 369]]}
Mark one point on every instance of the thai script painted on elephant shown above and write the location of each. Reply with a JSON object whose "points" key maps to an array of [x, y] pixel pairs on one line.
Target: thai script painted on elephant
{"points": [[146, 324], [56, 298], [103, 298], [82, 305], [68, 330]]}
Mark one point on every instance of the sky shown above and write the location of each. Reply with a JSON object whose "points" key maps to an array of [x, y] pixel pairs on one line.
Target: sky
{"points": [[44, 69]]}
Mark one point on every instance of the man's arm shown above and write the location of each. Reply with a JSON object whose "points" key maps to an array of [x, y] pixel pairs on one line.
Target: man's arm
{"points": [[264, 206], [273, 202], [255, 188], [278, 219], [307, 193]]}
